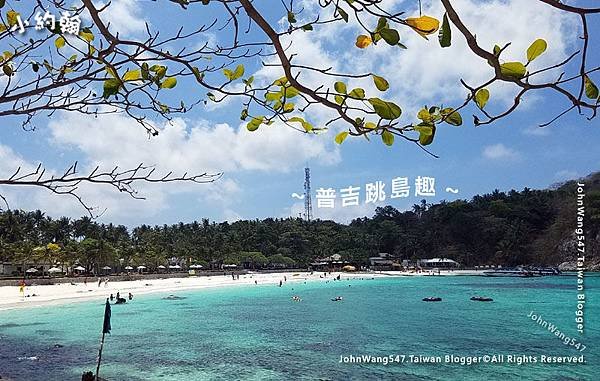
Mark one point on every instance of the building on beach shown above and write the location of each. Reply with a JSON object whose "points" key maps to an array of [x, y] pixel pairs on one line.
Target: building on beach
{"points": [[384, 261], [331, 263], [440, 263]]}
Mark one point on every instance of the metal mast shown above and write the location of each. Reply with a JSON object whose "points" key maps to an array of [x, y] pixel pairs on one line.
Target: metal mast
{"points": [[307, 202]]}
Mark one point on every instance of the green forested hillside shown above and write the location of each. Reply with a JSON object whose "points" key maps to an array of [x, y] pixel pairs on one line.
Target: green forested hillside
{"points": [[517, 227]]}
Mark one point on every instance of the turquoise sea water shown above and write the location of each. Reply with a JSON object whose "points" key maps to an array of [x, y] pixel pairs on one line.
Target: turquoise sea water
{"points": [[258, 333]]}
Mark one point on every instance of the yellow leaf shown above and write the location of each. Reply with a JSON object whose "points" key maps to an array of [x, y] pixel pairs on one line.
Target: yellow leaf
{"points": [[11, 16], [424, 25], [132, 75], [339, 138], [363, 41], [59, 42]]}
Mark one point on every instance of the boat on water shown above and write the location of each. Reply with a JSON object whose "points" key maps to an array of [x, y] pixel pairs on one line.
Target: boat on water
{"points": [[432, 299], [481, 299], [522, 272]]}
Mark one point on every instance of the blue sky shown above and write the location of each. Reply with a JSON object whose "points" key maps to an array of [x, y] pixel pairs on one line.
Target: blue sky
{"points": [[262, 169]]}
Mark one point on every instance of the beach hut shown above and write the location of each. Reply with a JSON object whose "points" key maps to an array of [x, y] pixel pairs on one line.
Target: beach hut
{"points": [[54, 270], [79, 269]]}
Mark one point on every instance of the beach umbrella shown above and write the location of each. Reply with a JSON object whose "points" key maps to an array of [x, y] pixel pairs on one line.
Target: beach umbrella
{"points": [[174, 267], [128, 268], [79, 268], [161, 267], [195, 266], [53, 270], [31, 271], [106, 268], [141, 267]]}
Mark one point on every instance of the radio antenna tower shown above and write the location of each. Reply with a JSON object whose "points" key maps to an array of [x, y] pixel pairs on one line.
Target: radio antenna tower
{"points": [[307, 202]]}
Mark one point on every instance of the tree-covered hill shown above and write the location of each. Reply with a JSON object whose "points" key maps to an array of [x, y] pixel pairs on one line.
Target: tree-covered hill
{"points": [[508, 228]]}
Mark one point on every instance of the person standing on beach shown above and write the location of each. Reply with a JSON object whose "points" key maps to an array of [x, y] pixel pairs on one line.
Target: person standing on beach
{"points": [[130, 296], [99, 281], [280, 283]]}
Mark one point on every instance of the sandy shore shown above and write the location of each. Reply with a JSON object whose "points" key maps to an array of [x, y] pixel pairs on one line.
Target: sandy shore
{"points": [[10, 297]]}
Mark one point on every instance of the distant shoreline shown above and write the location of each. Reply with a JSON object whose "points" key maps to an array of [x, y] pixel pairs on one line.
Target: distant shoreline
{"points": [[65, 293]]}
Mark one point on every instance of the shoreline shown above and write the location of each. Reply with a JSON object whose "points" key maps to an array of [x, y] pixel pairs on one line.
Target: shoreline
{"points": [[66, 293]]}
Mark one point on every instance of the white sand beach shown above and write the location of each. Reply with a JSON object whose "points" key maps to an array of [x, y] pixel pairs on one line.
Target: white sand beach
{"points": [[62, 293]]}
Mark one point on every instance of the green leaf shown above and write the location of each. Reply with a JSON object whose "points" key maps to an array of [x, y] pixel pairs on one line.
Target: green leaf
{"points": [[160, 70], [291, 17], [272, 96], [339, 138], [288, 107], [339, 99], [451, 117], [2, 3], [382, 23], [357, 93], [281, 81], [343, 14], [291, 92], [111, 87], [426, 133], [380, 83], [255, 123], [7, 69], [513, 69], [132, 75], [59, 42], [199, 76], [591, 90], [390, 36], [145, 71], [445, 36], [235, 74], [481, 97], [35, 67], [307, 27], [87, 35], [169, 83], [340, 87], [307, 126], [244, 114], [424, 115], [536, 49], [248, 82], [387, 138], [385, 110]]}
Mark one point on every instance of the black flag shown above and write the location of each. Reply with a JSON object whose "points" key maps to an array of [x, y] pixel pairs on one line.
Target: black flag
{"points": [[106, 327]]}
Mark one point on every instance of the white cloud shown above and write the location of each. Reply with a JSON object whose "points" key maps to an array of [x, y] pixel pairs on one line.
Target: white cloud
{"points": [[125, 16], [566, 174], [425, 73], [499, 152], [340, 214], [190, 147], [181, 147], [536, 131]]}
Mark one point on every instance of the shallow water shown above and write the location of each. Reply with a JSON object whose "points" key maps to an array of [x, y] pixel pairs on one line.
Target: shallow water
{"points": [[258, 333]]}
